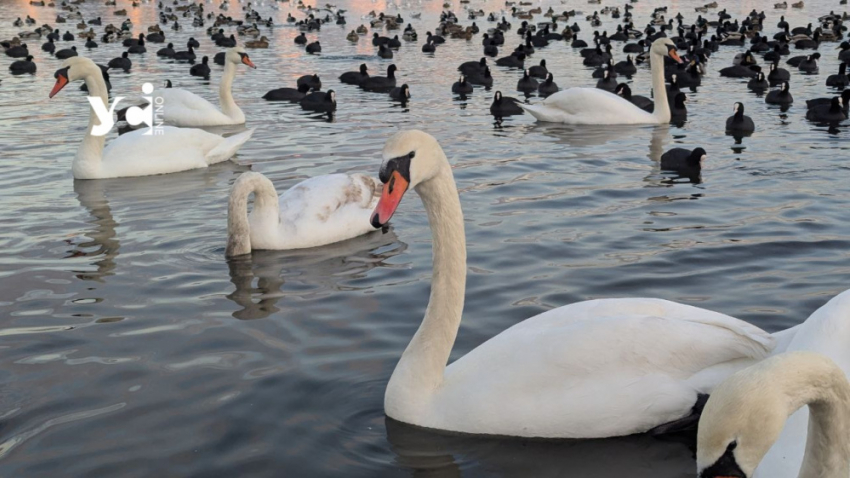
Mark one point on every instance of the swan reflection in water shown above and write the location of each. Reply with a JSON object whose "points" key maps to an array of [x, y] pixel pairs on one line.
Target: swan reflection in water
{"points": [[314, 271], [443, 455], [144, 195]]}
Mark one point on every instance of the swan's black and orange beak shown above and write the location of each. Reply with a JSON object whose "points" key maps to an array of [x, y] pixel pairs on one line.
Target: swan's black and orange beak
{"points": [[674, 55], [394, 190], [246, 60], [61, 80]]}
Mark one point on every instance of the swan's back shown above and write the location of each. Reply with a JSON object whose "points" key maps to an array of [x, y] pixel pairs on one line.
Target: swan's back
{"points": [[326, 209], [182, 107], [596, 369]]}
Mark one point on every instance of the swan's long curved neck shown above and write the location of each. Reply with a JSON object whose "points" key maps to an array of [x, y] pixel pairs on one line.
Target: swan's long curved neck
{"points": [[266, 211], [420, 370], [90, 153], [659, 90], [225, 94], [827, 444]]}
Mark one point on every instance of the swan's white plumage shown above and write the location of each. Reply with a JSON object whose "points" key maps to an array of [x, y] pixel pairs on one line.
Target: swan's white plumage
{"points": [[588, 106], [168, 150], [184, 108], [592, 106], [594, 369], [826, 331], [315, 212], [177, 149], [181, 107]]}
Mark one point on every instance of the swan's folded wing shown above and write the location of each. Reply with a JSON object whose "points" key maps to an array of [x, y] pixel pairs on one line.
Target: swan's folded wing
{"points": [[601, 368], [334, 206], [178, 103], [576, 101]]}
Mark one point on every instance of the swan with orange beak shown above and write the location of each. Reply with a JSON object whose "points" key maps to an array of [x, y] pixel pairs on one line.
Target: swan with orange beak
{"points": [[599, 107], [183, 108]]}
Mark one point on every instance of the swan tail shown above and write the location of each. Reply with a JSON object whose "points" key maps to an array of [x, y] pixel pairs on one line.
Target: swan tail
{"points": [[227, 148], [542, 112]]}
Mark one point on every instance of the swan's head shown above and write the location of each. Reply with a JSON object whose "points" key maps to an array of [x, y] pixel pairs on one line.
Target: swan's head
{"points": [[739, 107], [410, 158], [237, 55], [74, 68], [666, 47], [746, 414]]}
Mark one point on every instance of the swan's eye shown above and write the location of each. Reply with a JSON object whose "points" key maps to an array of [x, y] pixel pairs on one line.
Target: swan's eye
{"points": [[731, 447], [412, 154]]}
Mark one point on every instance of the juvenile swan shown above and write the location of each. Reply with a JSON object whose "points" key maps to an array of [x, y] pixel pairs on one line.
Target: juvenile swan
{"points": [[315, 212]]}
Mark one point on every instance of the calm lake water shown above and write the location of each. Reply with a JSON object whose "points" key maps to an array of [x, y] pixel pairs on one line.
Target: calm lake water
{"points": [[131, 347]]}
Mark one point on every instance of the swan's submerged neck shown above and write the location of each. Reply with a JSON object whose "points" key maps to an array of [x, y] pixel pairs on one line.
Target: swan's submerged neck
{"points": [[89, 155], [266, 212], [419, 372], [662, 107], [225, 94]]}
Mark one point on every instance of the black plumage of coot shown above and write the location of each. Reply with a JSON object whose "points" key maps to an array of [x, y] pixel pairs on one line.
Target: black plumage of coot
{"points": [[381, 84], [684, 161], [810, 64], [24, 66], [292, 95], [313, 81], [461, 86], [539, 71], [759, 83], [66, 53], [49, 47], [121, 63], [738, 123], [782, 96], [320, 101], [514, 60], [839, 80], [314, 48], [641, 102], [607, 82], [401, 93], [167, 52], [831, 113], [483, 78], [21, 51], [202, 69], [527, 84], [355, 77], [384, 52], [504, 106], [548, 87], [138, 48]]}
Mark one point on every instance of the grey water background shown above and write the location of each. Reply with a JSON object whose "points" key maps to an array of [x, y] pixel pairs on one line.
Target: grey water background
{"points": [[129, 346]]}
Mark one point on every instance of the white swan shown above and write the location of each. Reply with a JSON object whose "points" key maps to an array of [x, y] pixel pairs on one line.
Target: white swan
{"points": [[747, 412], [315, 212], [135, 153], [595, 106], [827, 332], [592, 369], [184, 108]]}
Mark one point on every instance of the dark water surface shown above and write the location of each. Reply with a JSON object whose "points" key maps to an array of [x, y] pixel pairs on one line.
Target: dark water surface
{"points": [[130, 347]]}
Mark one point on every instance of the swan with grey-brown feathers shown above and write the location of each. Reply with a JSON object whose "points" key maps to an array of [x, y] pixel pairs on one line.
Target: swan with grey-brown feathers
{"points": [[315, 212]]}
